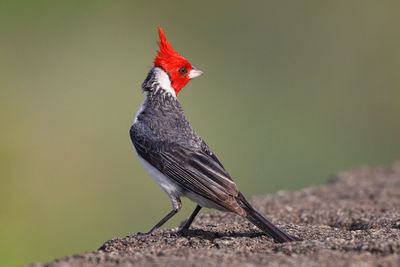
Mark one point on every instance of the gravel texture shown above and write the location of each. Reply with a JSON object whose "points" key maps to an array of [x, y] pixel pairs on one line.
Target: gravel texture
{"points": [[354, 220]]}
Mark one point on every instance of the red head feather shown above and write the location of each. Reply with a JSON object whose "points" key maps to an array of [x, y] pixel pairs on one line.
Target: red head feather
{"points": [[171, 62]]}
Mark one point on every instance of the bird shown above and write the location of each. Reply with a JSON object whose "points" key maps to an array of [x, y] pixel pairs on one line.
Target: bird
{"points": [[176, 157]]}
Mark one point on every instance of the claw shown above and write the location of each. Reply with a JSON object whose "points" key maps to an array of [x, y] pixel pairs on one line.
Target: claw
{"points": [[144, 234], [183, 232]]}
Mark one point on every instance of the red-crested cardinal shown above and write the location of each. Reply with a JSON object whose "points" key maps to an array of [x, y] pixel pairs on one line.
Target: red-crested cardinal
{"points": [[172, 153]]}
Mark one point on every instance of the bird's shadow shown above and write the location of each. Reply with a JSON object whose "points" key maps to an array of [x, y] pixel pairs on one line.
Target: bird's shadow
{"points": [[211, 235]]}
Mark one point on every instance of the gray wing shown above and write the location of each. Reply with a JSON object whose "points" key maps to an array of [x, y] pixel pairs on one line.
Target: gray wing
{"points": [[196, 170]]}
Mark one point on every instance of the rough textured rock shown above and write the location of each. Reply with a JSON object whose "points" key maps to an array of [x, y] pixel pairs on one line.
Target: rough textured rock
{"points": [[354, 220]]}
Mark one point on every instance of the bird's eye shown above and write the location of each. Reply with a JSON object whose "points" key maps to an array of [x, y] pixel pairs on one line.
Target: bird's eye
{"points": [[183, 71]]}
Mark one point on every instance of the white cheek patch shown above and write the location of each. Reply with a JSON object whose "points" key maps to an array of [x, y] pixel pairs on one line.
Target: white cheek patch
{"points": [[163, 80]]}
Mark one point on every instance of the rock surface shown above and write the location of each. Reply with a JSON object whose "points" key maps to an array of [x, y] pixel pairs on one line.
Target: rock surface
{"points": [[354, 220]]}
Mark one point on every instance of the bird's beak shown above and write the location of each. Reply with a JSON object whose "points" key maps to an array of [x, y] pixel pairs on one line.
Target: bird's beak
{"points": [[195, 72]]}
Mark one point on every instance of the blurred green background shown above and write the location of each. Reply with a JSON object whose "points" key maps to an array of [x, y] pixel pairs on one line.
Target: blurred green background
{"points": [[293, 92]]}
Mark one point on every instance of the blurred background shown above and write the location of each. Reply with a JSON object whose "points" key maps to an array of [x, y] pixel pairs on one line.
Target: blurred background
{"points": [[293, 92]]}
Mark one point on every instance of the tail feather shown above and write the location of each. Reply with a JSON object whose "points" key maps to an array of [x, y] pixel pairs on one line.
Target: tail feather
{"points": [[262, 223]]}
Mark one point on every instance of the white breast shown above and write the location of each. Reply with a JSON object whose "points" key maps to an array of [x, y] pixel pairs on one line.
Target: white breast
{"points": [[166, 184], [141, 108]]}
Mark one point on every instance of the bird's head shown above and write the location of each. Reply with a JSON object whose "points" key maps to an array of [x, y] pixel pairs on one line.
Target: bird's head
{"points": [[179, 70]]}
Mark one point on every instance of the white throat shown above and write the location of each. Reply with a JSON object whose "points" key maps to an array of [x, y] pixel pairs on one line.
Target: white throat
{"points": [[163, 80]]}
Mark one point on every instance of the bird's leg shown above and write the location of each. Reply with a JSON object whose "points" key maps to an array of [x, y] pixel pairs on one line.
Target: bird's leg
{"points": [[189, 221], [177, 205]]}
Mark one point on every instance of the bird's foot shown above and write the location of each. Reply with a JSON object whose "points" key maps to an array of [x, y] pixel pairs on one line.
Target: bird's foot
{"points": [[144, 234], [183, 232]]}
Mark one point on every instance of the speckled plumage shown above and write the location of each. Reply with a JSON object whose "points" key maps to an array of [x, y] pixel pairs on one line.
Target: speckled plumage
{"points": [[163, 137], [163, 118]]}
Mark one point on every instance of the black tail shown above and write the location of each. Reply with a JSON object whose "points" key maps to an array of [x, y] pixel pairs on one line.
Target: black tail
{"points": [[266, 226]]}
